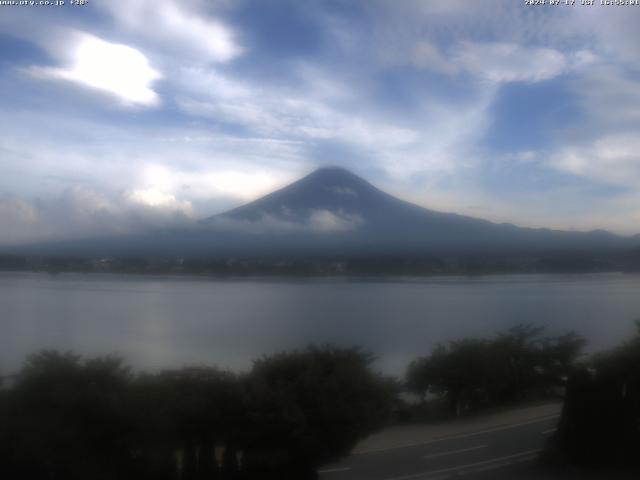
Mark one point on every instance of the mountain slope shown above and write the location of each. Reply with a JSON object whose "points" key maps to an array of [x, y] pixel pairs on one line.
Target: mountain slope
{"points": [[334, 208]]}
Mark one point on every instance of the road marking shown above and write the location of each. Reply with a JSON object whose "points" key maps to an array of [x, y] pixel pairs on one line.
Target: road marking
{"points": [[453, 452], [547, 432], [335, 470], [462, 435], [483, 465]]}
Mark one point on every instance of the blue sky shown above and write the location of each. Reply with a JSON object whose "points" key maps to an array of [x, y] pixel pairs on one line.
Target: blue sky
{"points": [[120, 115]]}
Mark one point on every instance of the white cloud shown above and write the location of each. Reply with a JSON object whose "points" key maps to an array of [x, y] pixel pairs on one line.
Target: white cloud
{"points": [[610, 97], [427, 56], [17, 211], [206, 82], [192, 163], [110, 67], [342, 191], [498, 62], [509, 62], [438, 139], [313, 221], [155, 198], [327, 222], [604, 145], [611, 158], [176, 26], [239, 183], [612, 31], [526, 156], [290, 114], [81, 212]]}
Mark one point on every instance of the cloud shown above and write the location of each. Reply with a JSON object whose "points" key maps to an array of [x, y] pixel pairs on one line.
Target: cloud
{"points": [[525, 156], [324, 113], [342, 191], [155, 198], [288, 113], [169, 32], [389, 145], [427, 56], [175, 26], [612, 31], [110, 67], [611, 158], [81, 212], [509, 62], [604, 146], [210, 169], [15, 211], [313, 221], [19, 219], [499, 62], [610, 97], [201, 183], [328, 222]]}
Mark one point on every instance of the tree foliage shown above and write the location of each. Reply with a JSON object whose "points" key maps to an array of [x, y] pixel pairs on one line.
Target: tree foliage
{"points": [[69, 418], [600, 422], [472, 373], [315, 404]]}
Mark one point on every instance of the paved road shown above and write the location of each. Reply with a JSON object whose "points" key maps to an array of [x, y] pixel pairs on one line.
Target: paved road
{"points": [[504, 451]]}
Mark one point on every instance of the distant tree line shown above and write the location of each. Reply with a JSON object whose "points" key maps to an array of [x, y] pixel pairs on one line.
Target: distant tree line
{"points": [[348, 264], [63, 417], [475, 373]]}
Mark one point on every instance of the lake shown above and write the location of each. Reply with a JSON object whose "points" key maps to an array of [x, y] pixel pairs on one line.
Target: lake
{"points": [[156, 322]]}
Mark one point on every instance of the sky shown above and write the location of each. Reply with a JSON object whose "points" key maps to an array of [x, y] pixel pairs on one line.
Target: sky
{"points": [[121, 115]]}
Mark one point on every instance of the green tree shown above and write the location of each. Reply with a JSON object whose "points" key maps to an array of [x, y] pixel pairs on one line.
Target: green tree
{"points": [[600, 419], [311, 407], [68, 418], [458, 370], [472, 373], [188, 414]]}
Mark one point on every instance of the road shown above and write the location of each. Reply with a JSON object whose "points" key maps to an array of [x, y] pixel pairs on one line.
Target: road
{"points": [[496, 451]]}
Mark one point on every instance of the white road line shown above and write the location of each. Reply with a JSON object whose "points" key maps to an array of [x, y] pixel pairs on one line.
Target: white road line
{"points": [[335, 470], [484, 464], [547, 432], [453, 452], [462, 435]]}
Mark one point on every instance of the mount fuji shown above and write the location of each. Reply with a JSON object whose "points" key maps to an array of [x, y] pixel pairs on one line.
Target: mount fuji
{"points": [[334, 210], [334, 213]]}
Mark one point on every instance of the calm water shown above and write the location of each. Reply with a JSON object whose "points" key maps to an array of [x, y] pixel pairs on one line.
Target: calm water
{"points": [[156, 322]]}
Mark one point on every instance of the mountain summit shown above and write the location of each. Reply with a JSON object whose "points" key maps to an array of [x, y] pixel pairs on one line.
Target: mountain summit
{"points": [[332, 189], [329, 199]]}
